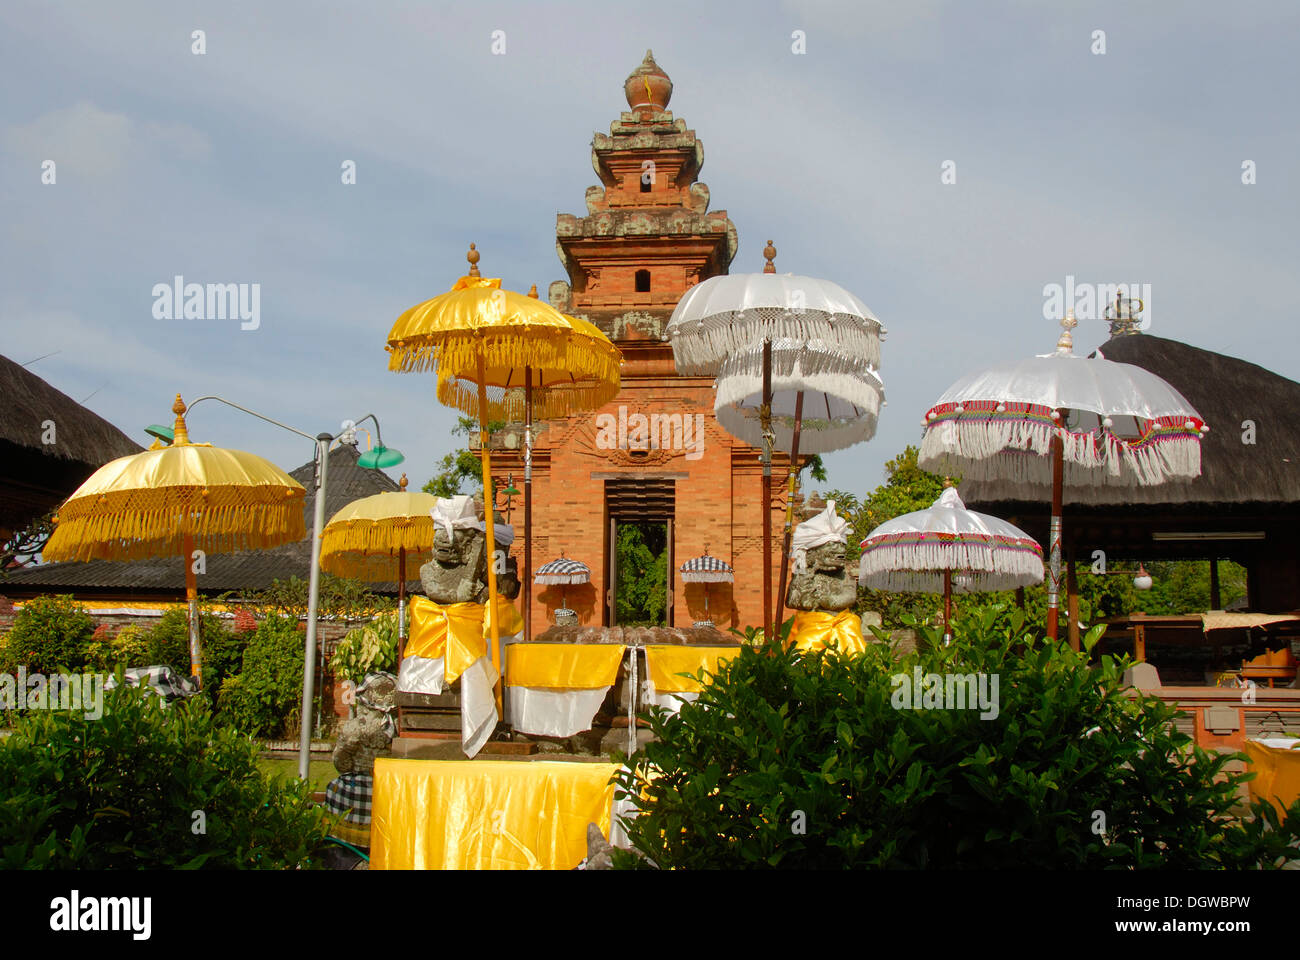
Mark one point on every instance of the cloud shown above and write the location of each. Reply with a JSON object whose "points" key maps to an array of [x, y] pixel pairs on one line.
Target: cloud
{"points": [[96, 143]]}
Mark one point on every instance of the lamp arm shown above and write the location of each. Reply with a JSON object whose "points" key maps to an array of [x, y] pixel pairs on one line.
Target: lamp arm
{"points": [[370, 416], [253, 413]]}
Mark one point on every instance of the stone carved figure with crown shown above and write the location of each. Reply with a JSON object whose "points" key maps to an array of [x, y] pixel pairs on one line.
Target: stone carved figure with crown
{"points": [[458, 571]]}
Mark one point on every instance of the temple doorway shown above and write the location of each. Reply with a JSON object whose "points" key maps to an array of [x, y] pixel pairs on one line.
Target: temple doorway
{"points": [[639, 552]]}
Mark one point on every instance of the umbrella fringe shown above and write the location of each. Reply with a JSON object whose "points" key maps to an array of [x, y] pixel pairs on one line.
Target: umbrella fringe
{"points": [[698, 349], [552, 403], [458, 353], [386, 537], [817, 436], [1016, 451], [746, 387], [920, 568], [553, 579], [154, 532], [716, 576]]}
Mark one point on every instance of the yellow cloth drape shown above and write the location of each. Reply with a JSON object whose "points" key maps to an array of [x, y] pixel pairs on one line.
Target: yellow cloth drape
{"points": [[568, 666], [816, 630], [1278, 770], [456, 632], [666, 660], [486, 814]]}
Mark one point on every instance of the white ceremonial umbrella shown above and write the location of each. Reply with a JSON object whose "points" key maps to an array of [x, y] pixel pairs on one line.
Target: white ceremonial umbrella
{"points": [[919, 552], [727, 314], [1058, 418], [821, 400]]}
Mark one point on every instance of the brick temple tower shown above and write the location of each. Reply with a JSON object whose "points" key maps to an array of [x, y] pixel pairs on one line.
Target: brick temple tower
{"points": [[655, 454]]}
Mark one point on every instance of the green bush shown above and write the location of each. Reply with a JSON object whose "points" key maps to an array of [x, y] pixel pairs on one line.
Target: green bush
{"points": [[264, 699], [128, 648], [146, 786], [49, 633], [802, 761], [366, 649]]}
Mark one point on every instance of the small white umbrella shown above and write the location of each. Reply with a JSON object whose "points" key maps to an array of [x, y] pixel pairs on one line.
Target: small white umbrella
{"points": [[738, 312], [919, 552], [1058, 418], [563, 572], [706, 569]]}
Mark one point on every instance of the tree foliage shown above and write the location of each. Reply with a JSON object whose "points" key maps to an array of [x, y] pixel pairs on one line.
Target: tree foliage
{"points": [[642, 574], [461, 466]]}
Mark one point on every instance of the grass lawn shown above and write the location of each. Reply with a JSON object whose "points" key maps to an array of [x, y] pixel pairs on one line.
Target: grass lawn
{"points": [[320, 773]]}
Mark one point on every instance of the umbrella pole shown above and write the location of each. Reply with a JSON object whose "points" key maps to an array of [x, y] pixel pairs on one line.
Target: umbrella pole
{"points": [[401, 602], [766, 417], [947, 606], [192, 605], [489, 525], [1054, 532], [528, 503], [792, 483]]}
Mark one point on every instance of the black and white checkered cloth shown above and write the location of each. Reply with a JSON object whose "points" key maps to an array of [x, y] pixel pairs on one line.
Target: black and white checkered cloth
{"points": [[163, 680], [350, 796], [563, 570], [706, 569]]}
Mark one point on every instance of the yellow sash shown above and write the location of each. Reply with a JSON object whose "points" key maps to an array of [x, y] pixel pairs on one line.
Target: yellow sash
{"points": [[457, 632], [816, 630]]}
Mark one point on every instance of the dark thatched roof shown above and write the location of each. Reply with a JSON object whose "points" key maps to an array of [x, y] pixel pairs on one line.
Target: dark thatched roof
{"points": [[35, 476], [245, 570], [1226, 392]]}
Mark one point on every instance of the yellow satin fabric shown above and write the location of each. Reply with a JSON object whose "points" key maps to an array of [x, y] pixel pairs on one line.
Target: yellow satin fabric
{"points": [[1278, 770], [568, 666], [457, 632], [666, 660], [816, 630], [486, 814]]}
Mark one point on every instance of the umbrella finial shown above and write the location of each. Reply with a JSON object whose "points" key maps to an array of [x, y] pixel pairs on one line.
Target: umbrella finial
{"points": [[1066, 343], [947, 483], [532, 291], [182, 435], [402, 483], [769, 254], [472, 257]]}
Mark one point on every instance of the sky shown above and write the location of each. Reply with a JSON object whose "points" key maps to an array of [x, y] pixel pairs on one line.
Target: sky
{"points": [[830, 128]]}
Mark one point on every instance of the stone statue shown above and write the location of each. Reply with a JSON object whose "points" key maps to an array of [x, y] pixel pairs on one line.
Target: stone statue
{"points": [[458, 571], [360, 740], [824, 583]]}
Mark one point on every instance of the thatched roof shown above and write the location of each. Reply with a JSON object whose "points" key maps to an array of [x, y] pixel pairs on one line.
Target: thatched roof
{"points": [[1226, 392], [36, 476], [245, 570]]}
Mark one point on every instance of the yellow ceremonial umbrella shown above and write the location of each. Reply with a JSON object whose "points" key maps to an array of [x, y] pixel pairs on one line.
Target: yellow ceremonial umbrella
{"points": [[500, 354], [373, 538], [179, 499]]}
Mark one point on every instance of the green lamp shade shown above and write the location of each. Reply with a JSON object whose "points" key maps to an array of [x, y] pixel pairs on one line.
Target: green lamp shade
{"points": [[510, 491], [378, 458], [165, 434]]}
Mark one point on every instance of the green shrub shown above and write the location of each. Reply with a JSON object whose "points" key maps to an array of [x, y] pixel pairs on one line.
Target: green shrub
{"points": [[264, 699], [366, 649], [126, 791], [49, 633], [129, 648], [802, 761]]}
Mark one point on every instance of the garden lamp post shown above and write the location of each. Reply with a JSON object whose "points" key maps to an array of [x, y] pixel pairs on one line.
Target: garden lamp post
{"points": [[376, 458]]}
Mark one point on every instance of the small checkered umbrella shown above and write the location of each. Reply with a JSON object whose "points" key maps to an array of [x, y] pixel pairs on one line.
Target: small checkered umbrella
{"points": [[563, 572], [706, 570]]}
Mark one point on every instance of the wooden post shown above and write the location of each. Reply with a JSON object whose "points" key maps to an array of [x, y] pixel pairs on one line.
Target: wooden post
{"points": [[612, 591], [671, 572], [1215, 602], [1139, 640], [192, 604], [947, 606], [1054, 531], [791, 484], [766, 418]]}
